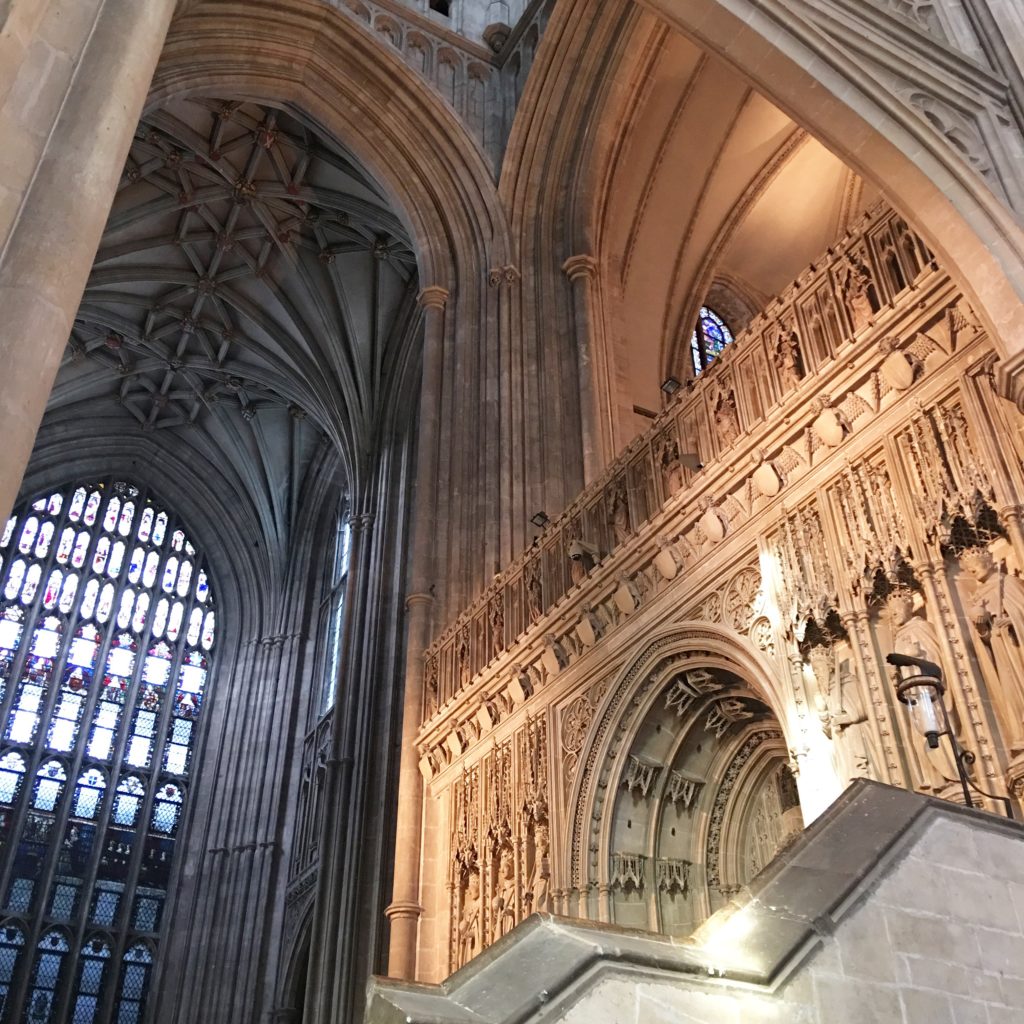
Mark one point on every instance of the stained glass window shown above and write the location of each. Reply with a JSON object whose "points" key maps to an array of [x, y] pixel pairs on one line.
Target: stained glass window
{"points": [[710, 337], [334, 609], [107, 631]]}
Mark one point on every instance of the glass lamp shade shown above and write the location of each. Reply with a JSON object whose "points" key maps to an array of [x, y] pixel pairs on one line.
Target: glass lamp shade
{"points": [[925, 713]]}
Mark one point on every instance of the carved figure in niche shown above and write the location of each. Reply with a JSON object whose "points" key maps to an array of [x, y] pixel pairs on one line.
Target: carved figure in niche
{"points": [[496, 616], [462, 655], [671, 467], [581, 560], [858, 290], [914, 635], [504, 903], [534, 594], [539, 894], [619, 513], [470, 933], [727, 420], [842, 715], [787, 359], [431, 685], [996, 610]]}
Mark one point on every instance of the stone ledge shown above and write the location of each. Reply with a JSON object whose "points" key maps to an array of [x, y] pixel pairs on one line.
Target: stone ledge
{"points": [[759, 939]]}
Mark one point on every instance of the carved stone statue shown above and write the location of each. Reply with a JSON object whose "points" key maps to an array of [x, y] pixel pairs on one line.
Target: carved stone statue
{"points": [[727, 420], [671, 467], [787, 359], [619, 513], [504, 902], [496, 617], [914, 635], [470, 933], [842, 715], [534, 594], [539, 894], [996, 610], [856, 286]]}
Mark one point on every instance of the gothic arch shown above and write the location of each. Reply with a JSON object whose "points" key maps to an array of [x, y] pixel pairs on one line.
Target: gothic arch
{"points": [[332, 69], [867, 125], [698, 648]]}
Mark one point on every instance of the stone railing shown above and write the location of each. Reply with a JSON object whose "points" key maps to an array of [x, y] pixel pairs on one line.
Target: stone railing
{"points": [[784, 359], [482, 85]]}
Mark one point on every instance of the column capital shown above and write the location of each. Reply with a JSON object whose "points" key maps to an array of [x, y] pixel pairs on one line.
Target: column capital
{"points": [[413, 600], [360, 521], [403, 908], [582, 266], [433, 297]]}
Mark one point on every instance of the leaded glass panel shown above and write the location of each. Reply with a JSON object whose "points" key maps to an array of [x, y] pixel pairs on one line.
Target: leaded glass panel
{"points": [[710, 337], [107, 626]]}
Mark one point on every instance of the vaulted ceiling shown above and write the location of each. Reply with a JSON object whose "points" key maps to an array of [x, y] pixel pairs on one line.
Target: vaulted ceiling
{"points": [[706, 182], [253, 292]]}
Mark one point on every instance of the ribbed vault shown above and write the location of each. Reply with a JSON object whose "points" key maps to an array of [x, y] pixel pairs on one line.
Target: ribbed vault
{"points": [[251, 275]]}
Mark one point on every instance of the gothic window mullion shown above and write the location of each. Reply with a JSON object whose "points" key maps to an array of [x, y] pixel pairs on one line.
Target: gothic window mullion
{"points": [[75, 756], [117, 771], [35, 611], [154, 772], [116, 790], [120, 770], [41, 751]]}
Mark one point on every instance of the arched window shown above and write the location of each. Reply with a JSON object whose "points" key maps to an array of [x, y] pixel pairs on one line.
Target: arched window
{"points": [[710, 337], [107, 628], [334, 608]]}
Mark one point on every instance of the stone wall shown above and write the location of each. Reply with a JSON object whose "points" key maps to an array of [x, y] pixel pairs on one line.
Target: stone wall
{"points": [[941, 939], [891, 908]]}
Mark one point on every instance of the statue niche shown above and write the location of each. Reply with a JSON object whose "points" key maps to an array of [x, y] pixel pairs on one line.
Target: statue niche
{"points": [[996, 611], [841, 711], [506, 891], [470, 919]]}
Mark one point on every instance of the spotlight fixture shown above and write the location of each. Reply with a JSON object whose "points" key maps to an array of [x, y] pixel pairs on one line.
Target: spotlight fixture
{"points": [[670, 385], [540, 519], [923, 697]]}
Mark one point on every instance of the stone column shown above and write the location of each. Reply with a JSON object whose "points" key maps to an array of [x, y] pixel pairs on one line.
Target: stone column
{"points": [[72, 86], [597, 391], [405, 910]]}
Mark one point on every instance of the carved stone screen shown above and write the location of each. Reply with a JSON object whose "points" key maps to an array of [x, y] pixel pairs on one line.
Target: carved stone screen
{"points": [[106, 631]]}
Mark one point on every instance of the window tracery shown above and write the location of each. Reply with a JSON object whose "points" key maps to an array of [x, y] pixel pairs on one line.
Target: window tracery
{"points": [[107, 626], [710, 337]]}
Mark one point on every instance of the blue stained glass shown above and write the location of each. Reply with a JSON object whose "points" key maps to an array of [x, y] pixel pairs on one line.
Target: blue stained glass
{"points": [[709, 339]]}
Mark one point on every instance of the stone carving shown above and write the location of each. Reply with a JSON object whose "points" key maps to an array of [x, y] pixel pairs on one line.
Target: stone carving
{"points": [[470, 921], [726, 416], [958, 130], [640, 774], [627, 871], [726, 713], [682, 789], [688, 687], [618, 512], [673, 876], [496, 619], [858, 288], [996, 610], [503, 915], [534, 592], [842, 715], [671, 467], [582, 558], [743, 599], [787, 358], [538, 894]]}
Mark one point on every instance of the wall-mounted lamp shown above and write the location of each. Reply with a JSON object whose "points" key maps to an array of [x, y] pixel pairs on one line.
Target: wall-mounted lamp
{"points": [[540, 519], [922, 695], [670, 385]]}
